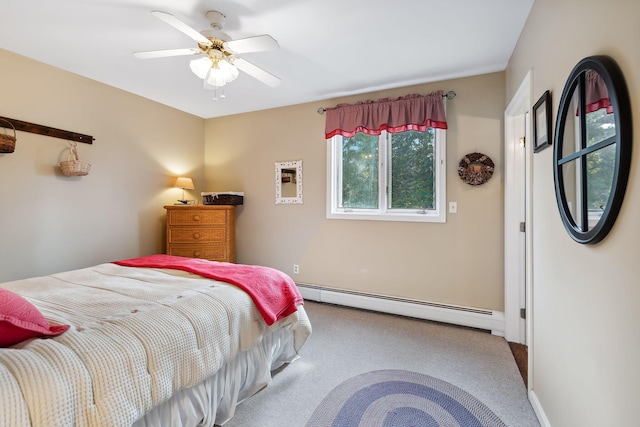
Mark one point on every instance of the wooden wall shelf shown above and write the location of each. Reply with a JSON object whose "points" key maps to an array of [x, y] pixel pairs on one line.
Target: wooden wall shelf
{"points": [[46, 130]]}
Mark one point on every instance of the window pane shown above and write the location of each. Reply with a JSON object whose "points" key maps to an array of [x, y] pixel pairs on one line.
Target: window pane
{"points": [[571, 172], [411, 170], [600, 126], [572, 136], [600, 166], [360, 171]]}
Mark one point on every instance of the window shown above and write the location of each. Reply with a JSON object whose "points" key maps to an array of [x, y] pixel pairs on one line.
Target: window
{"points": [[390, 177]]}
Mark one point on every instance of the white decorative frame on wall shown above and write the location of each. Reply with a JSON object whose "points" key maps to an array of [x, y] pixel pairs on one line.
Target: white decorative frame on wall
{"points": [[280, 166]]}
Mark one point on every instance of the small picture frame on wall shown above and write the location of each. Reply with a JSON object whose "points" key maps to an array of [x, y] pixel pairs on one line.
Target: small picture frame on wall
{"points": [[542, 122]]}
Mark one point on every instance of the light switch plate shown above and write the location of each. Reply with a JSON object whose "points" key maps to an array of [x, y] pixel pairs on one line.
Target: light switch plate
{"points": [[453, 207]]}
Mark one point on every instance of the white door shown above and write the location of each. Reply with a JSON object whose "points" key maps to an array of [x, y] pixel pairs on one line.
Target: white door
{"points": [[517, 228]]}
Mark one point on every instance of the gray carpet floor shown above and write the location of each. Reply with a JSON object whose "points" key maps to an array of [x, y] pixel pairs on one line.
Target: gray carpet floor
{"points": [[346, 342]]}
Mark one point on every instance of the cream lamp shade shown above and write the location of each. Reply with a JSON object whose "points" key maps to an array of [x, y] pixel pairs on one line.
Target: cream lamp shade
{"points": [[185, 184]]}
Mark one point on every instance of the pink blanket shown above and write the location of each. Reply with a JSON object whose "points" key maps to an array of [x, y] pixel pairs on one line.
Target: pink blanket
{"points": [[274, 293]]}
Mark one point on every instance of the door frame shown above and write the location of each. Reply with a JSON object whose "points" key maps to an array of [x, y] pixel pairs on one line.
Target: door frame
{"points": [[515, 192]]}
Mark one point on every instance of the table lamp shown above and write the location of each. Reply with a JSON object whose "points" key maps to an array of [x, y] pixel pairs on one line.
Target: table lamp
{"points": [[185, 184]]}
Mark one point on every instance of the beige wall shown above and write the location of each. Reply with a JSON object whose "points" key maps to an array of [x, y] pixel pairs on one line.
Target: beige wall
{"points": [[459, 262], [49, 222], [586, 299]]}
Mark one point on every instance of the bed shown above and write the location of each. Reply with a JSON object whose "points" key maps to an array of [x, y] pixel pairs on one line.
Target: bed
{"points": [[151, 341]]}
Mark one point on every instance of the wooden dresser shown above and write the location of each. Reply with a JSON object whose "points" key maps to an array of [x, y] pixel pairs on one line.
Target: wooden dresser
{"points": [[204, 231]]}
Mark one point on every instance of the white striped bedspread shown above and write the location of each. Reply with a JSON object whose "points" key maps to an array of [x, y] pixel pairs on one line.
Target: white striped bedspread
{"points": [[137, 336]]}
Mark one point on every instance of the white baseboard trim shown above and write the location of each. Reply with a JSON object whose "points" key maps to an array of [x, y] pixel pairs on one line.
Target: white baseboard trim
{"points": [[464, 316], [537, 408]]}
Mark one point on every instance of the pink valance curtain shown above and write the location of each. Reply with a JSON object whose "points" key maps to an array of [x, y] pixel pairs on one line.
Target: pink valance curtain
{"points": [[411, 112], [596, 93]]}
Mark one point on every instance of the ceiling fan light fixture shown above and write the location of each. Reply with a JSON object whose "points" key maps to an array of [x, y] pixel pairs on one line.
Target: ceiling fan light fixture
{"points": [[220, 64], [220, 73], [201, 66]]}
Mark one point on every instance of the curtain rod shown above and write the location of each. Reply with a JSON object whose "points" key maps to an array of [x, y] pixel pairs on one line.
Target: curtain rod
{"points": [[449, 95]]}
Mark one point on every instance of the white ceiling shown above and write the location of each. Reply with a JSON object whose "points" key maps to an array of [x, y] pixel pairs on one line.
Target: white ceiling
{"points": [[328, 48]]}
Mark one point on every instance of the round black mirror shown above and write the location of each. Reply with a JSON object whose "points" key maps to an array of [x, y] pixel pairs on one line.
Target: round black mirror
{"points": [[592, 150]]}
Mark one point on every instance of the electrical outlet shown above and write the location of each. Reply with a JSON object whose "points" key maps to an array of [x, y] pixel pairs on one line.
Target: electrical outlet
{"points": [[453, 207], [296, 269]]}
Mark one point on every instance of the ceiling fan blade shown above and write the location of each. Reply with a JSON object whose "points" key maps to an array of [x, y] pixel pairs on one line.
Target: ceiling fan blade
{"points": [[252, 44], [166, 53], [256, 72], [181, 26]]}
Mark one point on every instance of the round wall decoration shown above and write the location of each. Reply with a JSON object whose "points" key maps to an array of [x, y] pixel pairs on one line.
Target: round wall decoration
{"points": [[591, 166], [475, 168]]}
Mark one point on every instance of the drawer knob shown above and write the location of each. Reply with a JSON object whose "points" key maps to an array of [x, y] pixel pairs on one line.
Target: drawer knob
{"points": [[196, 236], [196, 254], [196, 217]]}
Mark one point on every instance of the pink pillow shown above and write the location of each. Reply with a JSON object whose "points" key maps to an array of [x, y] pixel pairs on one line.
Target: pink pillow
{"points": [[21, 320]]}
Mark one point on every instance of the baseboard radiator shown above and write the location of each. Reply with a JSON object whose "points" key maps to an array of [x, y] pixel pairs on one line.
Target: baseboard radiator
{"points": [[457, 315]]}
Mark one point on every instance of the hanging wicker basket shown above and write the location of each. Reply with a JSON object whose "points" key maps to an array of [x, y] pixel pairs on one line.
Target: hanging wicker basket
{"points": [[73, 166], [8, 142]]}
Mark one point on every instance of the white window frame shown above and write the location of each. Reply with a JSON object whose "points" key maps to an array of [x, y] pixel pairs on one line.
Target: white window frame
{"points": [[383, 213]]}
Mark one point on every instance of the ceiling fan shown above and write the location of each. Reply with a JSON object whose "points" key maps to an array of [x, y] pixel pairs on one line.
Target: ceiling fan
{"points": [[220, 63]]}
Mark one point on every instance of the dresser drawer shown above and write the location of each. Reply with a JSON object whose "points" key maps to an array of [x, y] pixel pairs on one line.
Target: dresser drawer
{"points": [[216, 252], [196, 235], [197, 217]]}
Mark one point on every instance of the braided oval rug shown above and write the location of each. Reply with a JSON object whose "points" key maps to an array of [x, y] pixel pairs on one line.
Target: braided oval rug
{"points": [[396, 398]]}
